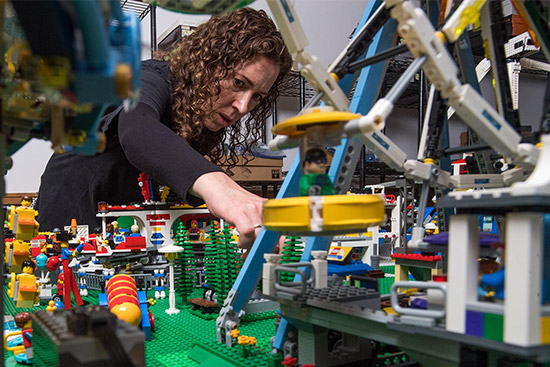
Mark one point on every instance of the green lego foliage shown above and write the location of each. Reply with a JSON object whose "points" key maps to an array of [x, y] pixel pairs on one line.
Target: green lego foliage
{"points": [[221, 261], [185, 267], [291, 253]]}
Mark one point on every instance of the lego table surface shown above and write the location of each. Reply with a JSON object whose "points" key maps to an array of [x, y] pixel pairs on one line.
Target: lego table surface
{"points": [[175, 335]]}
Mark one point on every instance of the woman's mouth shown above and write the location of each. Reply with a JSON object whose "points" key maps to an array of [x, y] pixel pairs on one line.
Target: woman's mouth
{"points": [[224, 121]]}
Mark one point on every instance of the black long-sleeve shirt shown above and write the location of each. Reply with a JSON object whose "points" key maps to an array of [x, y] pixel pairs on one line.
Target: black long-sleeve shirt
{"points": [[140, 140]]}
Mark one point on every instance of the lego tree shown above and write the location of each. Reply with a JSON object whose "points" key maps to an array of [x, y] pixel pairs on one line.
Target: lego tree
{"points": [[185, 268], [229, 262], [211, 274], [291, 253], [222, 261]]}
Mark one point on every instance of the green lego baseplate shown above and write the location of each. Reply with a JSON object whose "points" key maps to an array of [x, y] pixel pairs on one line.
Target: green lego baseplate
{"points": [[186, 339], [176, 335], [190, 333]]}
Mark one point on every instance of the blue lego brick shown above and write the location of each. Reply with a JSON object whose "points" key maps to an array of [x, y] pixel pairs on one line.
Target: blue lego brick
{"points": [[355, 268], [103, 299], [474, 323], [145, 322]]}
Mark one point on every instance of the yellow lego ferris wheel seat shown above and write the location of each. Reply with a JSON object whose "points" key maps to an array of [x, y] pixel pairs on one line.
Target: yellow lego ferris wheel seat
{"points": [[297, 125], [323, 215]]}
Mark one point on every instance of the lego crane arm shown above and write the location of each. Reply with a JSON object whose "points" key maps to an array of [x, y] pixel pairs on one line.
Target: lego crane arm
{"points": [[422, 39], [312, 69], [367, 129]]}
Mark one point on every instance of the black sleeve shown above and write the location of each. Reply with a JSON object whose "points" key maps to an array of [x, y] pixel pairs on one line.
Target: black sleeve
{"points": [[154, 148], [155, 89]]}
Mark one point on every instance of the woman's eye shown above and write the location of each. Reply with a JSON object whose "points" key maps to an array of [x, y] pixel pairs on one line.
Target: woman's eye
{"points": [[239, 83], [257, 97]]}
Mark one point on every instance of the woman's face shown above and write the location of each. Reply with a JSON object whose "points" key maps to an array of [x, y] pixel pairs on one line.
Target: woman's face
{"points": [[241, 93]]}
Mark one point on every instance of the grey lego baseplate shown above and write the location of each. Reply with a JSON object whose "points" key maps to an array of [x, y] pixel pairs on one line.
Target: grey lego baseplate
{"points": [[487, 200]]}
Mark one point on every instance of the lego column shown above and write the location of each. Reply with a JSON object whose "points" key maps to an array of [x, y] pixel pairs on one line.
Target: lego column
{"points": [[523, 283], [313, 341], [462, 269], [320, 263]]}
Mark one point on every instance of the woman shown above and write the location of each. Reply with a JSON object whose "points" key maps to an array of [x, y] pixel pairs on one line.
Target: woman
{"points": [[217, 86]]}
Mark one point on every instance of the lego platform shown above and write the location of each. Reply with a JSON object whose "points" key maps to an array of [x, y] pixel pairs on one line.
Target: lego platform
{"points": [[336, 308], [189, 338], [175, 335], [190, 333]]}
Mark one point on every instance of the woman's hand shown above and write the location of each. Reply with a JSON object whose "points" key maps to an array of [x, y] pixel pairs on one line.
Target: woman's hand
{"points": [[227, 200]]}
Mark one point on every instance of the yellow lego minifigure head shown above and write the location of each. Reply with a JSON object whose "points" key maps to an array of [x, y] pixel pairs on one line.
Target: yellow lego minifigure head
{"points": [[28, 267], [26, 201], [431, 228]]}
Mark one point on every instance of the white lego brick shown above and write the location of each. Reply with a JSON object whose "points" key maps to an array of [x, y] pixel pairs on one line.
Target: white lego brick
{"points": [[462, 269], [319, 264], [523, 283]]}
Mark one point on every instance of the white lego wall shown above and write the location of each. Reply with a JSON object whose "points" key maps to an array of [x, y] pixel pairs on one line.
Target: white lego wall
{"points": [[328, 24]]}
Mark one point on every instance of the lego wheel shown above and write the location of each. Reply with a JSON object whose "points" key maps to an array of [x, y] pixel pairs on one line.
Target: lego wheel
{"points": [[325, 116], [323, 215], [209, 294]]}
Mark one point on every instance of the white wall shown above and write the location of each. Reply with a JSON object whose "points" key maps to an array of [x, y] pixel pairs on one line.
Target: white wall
{"points": [[28, 164]]}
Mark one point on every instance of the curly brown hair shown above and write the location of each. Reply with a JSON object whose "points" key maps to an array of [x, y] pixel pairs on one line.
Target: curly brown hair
{"points": [[210, 54]]}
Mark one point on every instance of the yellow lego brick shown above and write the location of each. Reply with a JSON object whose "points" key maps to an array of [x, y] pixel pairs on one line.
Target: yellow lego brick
{"points": [[25, 232], [545, 330], [409, 292], [25, 299], [25, 216]]}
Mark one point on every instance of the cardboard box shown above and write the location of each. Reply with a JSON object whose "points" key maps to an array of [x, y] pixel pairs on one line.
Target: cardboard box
{"points": [[464, 139], [257, 169], [15, 198]]}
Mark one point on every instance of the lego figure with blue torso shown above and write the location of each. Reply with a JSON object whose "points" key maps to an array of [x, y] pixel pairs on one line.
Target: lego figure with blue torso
{"points": [[134, 231], [315, 180], [70, 285]]}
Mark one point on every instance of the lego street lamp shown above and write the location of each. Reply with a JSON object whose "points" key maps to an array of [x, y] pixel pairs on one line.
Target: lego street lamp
{"points": [[171, 254]]}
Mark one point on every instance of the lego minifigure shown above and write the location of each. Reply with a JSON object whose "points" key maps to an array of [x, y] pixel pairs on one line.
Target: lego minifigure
{"points": [[83, 288], [63, 239], [23, 321], [25, 226], [109, 231], [135, 231], [23, 287], [22, 353], [431, 228], [108, 241], [60, 283], [314, 180], [25, 202], [195, 233], [160, 288], [116, 230]]}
